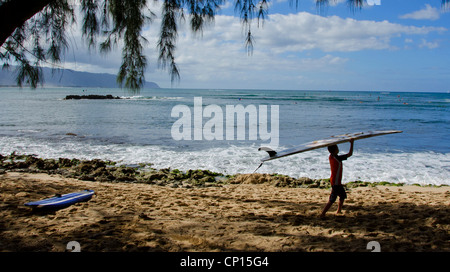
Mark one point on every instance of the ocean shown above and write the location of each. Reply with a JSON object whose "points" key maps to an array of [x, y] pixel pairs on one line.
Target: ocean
{"points": [[189, 129]]}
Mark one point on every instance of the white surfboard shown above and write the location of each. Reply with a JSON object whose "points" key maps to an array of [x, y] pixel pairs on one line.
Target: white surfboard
{"points": [[333, 140]]}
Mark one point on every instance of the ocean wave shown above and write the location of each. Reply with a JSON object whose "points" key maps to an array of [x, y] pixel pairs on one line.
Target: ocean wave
{"points": [[254, 98], [410, 168], [140, 97]]}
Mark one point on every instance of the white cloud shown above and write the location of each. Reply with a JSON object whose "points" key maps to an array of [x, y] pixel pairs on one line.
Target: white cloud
{"points": [[219, 55], [337, 2], [429, 45], [428, 13], [281, 48], [288, 48], [305, 31], [323, 62]]}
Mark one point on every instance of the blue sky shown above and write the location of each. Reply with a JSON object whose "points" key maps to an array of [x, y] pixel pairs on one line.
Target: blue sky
{"points": [[398, 45]]}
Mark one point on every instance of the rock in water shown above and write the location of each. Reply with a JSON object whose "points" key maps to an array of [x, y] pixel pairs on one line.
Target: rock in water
{"points": [[91, 96]]}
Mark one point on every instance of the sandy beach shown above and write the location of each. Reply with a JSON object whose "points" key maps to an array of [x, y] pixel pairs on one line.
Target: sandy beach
{"points": [[231, 217]]}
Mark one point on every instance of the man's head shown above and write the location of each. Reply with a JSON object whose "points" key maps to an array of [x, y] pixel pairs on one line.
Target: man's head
{"points": [[333, 149]]}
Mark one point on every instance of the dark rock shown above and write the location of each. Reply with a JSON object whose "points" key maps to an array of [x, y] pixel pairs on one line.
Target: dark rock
{"points": [[305, 180], [63, 162], [90, 166], [91, 96], [87, 177], [41, 164], [85, 167], [155, 176]]}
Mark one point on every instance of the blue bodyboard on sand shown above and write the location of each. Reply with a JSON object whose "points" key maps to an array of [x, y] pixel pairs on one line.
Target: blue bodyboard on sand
{"points": [[62, 201]]}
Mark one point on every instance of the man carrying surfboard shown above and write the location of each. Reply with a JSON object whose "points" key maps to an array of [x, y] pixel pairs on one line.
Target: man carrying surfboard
{"points": [[336, 178], [335, 159]]}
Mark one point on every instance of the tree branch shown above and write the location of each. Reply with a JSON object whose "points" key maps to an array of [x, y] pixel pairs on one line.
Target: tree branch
{"points": [[14, 14]]}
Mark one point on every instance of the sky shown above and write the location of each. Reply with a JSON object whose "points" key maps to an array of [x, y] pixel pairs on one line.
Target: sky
{"points": [[388, 45]]}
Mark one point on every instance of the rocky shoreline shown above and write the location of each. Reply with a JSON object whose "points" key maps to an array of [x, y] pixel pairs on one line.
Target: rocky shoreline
{"points": [[109, 171]]}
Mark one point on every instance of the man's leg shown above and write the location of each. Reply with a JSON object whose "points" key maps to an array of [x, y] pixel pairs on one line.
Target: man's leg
{"points": [[342, 196], [339, 210], [326, 208]]}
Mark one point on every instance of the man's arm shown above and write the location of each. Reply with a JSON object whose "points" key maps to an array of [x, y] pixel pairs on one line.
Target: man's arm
{"points": [[350, 152]]}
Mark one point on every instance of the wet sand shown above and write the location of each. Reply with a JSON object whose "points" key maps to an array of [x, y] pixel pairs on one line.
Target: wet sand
{"points": [[233, 217]]}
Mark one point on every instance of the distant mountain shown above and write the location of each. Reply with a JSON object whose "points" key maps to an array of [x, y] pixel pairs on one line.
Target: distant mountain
{"points": [[69, 78]]}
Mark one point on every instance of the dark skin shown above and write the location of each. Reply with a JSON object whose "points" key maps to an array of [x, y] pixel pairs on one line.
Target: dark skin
{"points": [[341, 201]]}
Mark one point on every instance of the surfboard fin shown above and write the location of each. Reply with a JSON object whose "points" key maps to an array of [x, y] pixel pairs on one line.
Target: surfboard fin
{"points": [[268, 150], [258, 167]]}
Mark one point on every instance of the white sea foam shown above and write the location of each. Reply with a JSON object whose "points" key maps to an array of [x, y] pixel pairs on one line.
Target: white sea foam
{"points": [[409, 168], [140, 97]]}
